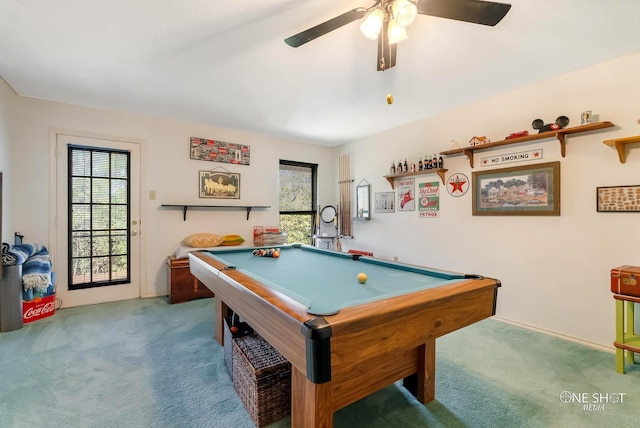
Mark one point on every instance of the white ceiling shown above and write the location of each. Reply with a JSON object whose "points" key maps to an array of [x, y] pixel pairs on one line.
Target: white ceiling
{"points": [[224, 63]]}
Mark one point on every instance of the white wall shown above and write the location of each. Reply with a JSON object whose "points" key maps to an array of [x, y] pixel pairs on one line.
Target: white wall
{"points": [[7, 100], [554, 270], [167, 169]]}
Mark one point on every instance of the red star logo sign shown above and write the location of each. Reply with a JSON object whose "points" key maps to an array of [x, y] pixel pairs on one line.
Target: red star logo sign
{"points": [[457, 185]]}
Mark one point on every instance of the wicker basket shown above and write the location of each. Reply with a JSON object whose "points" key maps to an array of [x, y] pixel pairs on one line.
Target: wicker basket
{"points": [[262, 379]]}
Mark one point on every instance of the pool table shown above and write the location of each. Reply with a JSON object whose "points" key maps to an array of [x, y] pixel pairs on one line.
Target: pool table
{"points": [[344, 339]]}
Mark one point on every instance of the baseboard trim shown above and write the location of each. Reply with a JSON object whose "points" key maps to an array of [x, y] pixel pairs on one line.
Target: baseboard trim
{"points": [[598, 346]]}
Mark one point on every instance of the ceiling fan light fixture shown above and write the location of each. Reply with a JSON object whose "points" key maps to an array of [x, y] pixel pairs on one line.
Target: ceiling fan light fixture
{"points": [[396, 33], [404, 12], [372, 24]]}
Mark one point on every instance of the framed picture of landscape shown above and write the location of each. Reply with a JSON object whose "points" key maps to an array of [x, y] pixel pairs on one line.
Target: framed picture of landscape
{"points": [[531, 190]]}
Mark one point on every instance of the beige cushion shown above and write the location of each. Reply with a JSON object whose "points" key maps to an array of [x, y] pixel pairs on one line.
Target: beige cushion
{"points": [[202, 240]]}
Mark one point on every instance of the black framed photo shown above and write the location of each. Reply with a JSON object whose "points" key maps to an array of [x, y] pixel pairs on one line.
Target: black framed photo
{"points": [[621, 199]]}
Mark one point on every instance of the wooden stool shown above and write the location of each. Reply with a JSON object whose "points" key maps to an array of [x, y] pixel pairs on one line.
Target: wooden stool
{"points": [[626, 337]]}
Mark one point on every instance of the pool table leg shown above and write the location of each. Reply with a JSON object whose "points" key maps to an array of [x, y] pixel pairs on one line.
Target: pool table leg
{"points": [[311, 403], [219, 311], [422, 383], [427, 371]]}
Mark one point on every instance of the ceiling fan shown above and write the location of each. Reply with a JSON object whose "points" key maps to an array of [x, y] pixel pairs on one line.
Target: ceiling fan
{"points": [[387, 20]]}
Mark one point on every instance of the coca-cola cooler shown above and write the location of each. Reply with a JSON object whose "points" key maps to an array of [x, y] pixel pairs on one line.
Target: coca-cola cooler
{"points": [[11, 298], [38, 307]]}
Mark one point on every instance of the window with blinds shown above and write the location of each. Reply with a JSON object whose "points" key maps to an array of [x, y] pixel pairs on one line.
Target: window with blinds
{"points": [[99, 217]]}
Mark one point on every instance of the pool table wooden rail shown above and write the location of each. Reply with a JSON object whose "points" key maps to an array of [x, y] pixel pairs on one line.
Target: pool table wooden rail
{"points": [[372, 345], [246, 292]]}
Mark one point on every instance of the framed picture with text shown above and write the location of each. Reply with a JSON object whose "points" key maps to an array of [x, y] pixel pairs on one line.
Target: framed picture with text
{"points": [[384, 202]]}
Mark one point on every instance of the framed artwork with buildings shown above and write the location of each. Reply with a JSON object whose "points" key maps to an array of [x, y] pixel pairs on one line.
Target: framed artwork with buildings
{"points": [[532, 190]]}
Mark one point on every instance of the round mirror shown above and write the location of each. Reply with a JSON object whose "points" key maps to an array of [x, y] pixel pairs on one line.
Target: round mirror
{"points": [[328, 214]]}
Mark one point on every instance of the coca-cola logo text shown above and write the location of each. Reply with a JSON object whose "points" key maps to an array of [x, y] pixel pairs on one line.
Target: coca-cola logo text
{"points": [[40, 310]]}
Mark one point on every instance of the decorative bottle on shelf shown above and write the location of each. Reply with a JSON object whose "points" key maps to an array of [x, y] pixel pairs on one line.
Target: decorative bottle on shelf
{"points": [[420, 164], [405, 167], [440, 162], [392, 170], [434, 162], [427, 162], [399, 167]]}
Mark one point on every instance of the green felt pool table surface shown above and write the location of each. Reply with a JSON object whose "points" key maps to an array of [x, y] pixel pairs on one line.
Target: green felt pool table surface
{"points": [[326, 281]]}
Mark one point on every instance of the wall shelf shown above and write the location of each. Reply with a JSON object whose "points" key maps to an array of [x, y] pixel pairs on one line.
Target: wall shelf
{"points": [[560, 134], [185, 207], [440, 171], [620, 145]]}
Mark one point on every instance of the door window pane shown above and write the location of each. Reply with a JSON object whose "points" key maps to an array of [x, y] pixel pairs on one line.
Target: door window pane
{"points": [[98, 217]]}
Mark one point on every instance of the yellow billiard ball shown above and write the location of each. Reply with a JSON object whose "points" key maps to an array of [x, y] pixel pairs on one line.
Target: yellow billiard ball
{"points": [[362, 277]]}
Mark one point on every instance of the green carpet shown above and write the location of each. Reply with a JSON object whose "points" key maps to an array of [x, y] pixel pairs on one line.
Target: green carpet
{"points": [[144, 363]]}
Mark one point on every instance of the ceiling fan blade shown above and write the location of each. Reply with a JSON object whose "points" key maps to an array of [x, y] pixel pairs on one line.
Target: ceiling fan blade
{"points": [[386, 52], [474, 11], [326, 27]]}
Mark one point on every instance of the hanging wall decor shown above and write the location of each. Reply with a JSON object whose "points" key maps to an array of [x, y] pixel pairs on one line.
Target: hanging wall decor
{"points": [[406, 196], [618, 199], [384, 202], [219, 151], [219, 184], [457, 184], [521, 190], [429, 199]]}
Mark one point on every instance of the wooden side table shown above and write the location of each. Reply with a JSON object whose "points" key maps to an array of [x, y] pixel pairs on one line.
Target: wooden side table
{"points": [[626, 338], [182, 285]]}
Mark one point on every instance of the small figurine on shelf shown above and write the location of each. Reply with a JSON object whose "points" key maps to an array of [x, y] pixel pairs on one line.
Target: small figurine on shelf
{"points": [[517, 135], [561, 122], [454, 145], [474, 141]]}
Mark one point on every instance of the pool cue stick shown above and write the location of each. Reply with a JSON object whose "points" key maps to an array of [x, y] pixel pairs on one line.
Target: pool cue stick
{"points": [[316, 225], [342, 195], [347, 188]]}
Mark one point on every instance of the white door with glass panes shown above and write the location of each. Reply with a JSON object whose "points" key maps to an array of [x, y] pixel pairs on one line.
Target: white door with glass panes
{"points": [[97, 248]]}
